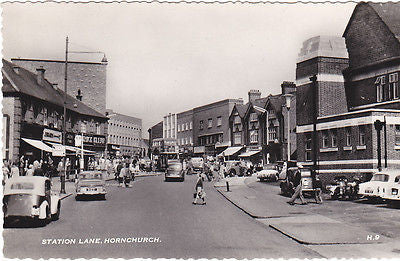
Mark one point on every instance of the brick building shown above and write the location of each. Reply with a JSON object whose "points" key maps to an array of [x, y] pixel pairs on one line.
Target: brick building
{"points": [[352, 93], [260, 126], [124, 137], [87, 77], [33, 112], [185, 132], [155, 134], [211, 133]]}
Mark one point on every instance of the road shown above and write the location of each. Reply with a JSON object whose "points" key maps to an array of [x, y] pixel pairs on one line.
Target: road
{"points": [[163, 213]]}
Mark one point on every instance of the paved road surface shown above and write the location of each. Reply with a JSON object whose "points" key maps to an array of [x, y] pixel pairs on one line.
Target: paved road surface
{"points": [[158, 210]]}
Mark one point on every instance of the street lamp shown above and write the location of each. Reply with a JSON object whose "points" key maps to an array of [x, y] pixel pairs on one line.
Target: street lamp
{"points": [[288, 99], [104, 60]]}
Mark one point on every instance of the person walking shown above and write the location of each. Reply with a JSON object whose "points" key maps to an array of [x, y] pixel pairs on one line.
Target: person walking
{"points": [[14, 169], [120, 178], [37, 170], [297, 183], [199, 190], [30, 170]]}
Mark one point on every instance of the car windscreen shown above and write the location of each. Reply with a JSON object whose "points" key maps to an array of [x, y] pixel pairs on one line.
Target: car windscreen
{"points": [[380, 177], [22, 186], [91, 176], [175, 167]]}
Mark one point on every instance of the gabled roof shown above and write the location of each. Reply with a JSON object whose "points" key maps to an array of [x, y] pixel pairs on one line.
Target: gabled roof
{"points": [[25, 82], [276, 102], [260, 102], [388, 12], [242, 109]]}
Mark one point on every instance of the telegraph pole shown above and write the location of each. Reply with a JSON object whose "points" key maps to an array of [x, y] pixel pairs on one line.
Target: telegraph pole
{"points": [[63, 173], [314, 90]]}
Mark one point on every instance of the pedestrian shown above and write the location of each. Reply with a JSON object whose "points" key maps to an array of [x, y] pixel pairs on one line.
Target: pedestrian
{"points": [[30, 170], [318, 190], [14, 170], [37, 170], [6, 171], [297, 183], [120, 178], [199, 190]]}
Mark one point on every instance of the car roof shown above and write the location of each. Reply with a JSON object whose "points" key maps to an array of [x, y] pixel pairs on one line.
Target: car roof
{"points": [[37, 181], [389, 172]]}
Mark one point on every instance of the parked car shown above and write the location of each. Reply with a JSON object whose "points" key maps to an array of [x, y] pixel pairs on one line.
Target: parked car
{"points": [[286, 185], [30, 197], [342, 188], [90, 183], [380, 184], [268, 173], [175, 171], [393, 192], [235, 168]]}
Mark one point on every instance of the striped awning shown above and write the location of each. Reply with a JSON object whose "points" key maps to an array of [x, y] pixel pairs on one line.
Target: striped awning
{"points": [[38, 144], [249, 153]]}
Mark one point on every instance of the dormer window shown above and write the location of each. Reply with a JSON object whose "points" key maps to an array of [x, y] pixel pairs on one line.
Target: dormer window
{"points": [[394, 90], [379, 83]]}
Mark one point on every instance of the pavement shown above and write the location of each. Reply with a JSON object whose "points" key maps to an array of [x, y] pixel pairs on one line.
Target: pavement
{"points": [[346, 225]]}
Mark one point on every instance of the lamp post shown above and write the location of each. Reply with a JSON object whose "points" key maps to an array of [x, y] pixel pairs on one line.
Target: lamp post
{"points": [[104, 60], [288, 99], [378, 127]]}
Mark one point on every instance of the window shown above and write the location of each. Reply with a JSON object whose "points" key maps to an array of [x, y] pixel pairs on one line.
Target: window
{"points": [[379, 83], [209, 123], [191, 125], [186, 140], [179, 128], [187, 125], [334, 138], [97, 128], [272, 133], [237, 120], [361, 134], [190, 140], [219, 121], [394, 89], [238, 138], [308, 147], [253, 116], [348, 136], [397, 135], [83, 127], [254, 136], [45, 122], [325, 139], [201, 126]]}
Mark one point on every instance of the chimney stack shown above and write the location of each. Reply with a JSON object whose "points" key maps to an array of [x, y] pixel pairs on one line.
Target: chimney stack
{"points": [[254, 95], [79, 96], [40, 75], [16, 69], [288, 87]]}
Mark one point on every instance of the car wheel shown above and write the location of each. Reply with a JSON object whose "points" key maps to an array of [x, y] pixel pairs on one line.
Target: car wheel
{"points": [[103, 197], [56, 216]]}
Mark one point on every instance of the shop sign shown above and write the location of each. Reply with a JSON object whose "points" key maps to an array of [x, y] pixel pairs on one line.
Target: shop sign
{"points": [[52, 135], [94, 140], [59, 151]]}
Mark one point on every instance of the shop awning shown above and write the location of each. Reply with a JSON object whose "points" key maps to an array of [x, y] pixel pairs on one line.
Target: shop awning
{"points": [[223, 144], [72, 148], [38, 144], [249, 153], [230, 151]]}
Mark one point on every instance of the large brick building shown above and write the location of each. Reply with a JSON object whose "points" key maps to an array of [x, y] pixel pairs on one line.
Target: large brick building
{"points": [[33, 113], [185, 132], [87, 77], [211, 131], [124, 135], [353, 93]]}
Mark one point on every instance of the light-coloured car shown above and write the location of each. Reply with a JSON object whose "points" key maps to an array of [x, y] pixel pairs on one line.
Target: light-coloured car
{"points": [[90, 183], [393, 189], [379, 185], [175, 171], [269, 173], [30, 197]]}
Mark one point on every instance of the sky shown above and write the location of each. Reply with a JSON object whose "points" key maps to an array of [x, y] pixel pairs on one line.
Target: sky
{"points": [[168, 58]]}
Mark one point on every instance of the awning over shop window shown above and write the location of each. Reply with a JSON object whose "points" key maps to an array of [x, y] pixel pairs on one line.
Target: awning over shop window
{"points": [[230, 151], [249, 153], [223, 144], [200, 149], [73, 149], [38, 144]]}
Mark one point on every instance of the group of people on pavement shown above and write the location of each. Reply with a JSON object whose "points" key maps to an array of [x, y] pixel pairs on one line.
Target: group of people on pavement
{"points": [[125, 172]]}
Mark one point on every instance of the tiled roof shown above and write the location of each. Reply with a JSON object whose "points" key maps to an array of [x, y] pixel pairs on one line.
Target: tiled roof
{"points": [[260, 102], [26, 82], [276, 102], [389, 12], [241, 109]]}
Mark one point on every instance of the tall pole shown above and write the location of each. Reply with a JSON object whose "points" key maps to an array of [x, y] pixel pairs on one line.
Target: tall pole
{"points": [[63, 173], [385, 140], [288, 133], [314, 90], [378, 127]]}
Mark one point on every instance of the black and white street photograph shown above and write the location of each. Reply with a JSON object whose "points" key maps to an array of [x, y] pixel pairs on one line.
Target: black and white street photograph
{"points": [[200, 130]]}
